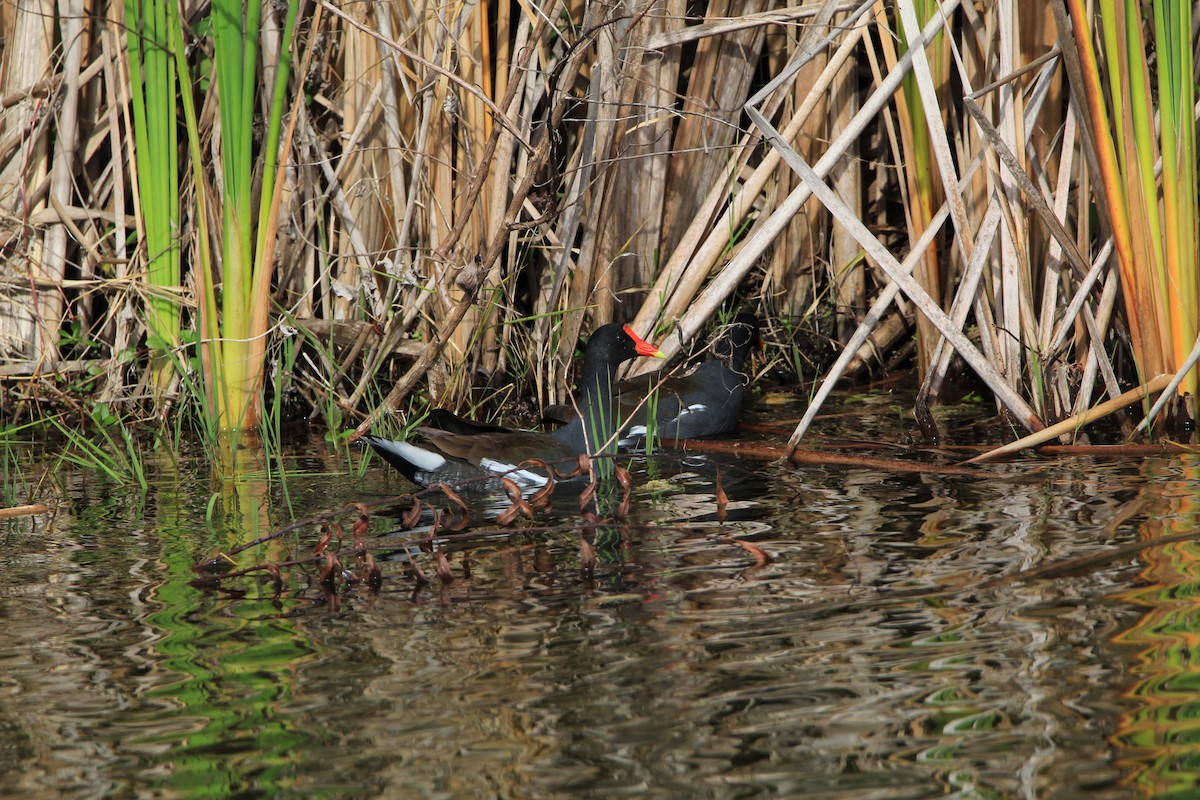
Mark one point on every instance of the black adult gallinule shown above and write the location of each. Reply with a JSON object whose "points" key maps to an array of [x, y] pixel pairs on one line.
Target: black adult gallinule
{"points": [[704, 402], [460, 449]]}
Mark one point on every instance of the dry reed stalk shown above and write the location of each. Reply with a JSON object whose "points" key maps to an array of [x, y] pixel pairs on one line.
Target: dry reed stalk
{"points": [[370, 172], [122, 314], [630, 213], [1053, 283], [1038, 204], [706, 303], [25, 150], [869, 324], [361, 218], [854, 350], [485, 172], [607, 73], [508, 39], [790, 271], [1012, 281], [550, 380], [397, 191], [1010, 305], [721, 75], [967, 293], [921, 193], [847, 270], [813, 180], [499, 240], [1027, 325], [623, 119], [1176, 381], [47, 215], [687, 271], [27, 510], [444, 260], [438, 342], [477, 68], [448, 138], [1056, 279], [1074, 423]]}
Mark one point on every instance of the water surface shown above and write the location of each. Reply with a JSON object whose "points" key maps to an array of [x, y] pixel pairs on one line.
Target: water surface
{"points": [[876, 655]]}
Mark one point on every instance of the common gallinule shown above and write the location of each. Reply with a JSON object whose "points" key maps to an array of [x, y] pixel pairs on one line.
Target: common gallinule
{"points": [[461, 449], [704, 402]]}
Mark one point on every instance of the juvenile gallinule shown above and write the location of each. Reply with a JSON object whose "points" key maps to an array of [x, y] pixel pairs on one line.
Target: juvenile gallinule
{"points": [[704, 402], [461, 449]]}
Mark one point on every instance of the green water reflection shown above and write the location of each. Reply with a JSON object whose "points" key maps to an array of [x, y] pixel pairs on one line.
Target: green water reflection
{"points": [[228, 727], [1160, 739]]}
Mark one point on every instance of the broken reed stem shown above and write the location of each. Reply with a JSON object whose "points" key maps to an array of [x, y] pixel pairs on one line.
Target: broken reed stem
{"points": [[23, 511], [1077, 421], [690, 301]]}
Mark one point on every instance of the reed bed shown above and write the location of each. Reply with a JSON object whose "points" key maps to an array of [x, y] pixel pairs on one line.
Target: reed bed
{"points": [[369, 207]]}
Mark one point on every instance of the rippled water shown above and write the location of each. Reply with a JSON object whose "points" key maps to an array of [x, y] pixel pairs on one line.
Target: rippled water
{"points": [[892, 647]]}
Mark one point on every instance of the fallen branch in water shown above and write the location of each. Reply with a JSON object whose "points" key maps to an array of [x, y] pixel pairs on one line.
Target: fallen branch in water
{"points": [[1078, 421], [1097, 450], [770, 452], [23, 511]]}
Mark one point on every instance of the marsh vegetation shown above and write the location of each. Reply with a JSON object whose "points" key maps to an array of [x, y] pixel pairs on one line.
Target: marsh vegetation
{"points": [[217, 215]]}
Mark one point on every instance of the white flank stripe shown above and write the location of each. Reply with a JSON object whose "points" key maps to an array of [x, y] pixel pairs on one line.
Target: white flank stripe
{"points": [[521, 476]]}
